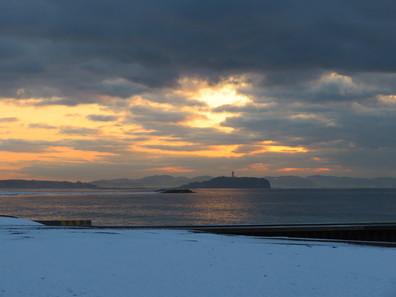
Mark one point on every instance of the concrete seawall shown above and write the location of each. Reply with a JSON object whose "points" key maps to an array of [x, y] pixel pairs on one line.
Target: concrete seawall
{"points": [[381, 232], [371, 232]]}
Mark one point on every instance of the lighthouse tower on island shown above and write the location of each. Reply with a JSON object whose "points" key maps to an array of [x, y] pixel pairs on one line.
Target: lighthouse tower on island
{"points": [[232, 174]]}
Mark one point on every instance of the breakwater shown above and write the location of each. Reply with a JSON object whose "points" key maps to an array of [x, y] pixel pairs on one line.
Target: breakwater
{"points": [[371, 232]]}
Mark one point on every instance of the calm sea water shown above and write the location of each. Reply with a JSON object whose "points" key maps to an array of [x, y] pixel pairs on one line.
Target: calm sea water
{"points": [[205, 206]]}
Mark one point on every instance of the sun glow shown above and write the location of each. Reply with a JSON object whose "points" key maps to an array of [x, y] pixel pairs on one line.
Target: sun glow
{"points": [[224, 92], [221, 95]]}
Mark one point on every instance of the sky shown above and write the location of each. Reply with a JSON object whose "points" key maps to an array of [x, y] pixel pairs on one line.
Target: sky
{"points": [[110, 89]]}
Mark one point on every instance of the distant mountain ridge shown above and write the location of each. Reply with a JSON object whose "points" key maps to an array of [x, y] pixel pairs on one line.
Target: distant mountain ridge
{"points": [[326, 181], [168, 181], [286, 182], [43, 184], [231, 182], [153, 181]]}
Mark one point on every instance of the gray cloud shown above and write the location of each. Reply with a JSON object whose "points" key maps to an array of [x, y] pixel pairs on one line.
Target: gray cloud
{"points": [[155, 115], [376, 161], [321, 88], [114, 146], [61, 101], [9, 120], [247, 148], [76, 47], [102, 118], [69, 53], [77, 131], [175, 100], [196, 135], [181, 148], [359, 126], [42, 126], [24, 146], [81, 171]]}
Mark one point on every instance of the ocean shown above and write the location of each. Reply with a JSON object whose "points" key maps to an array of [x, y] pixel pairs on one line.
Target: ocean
{"points": [[204, 206]]}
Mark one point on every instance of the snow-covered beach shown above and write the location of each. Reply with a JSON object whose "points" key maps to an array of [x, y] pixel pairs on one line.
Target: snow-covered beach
{"points": [[42, 262]]}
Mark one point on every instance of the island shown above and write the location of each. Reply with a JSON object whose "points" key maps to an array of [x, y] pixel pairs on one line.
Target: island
{"points": [[231, 182]]}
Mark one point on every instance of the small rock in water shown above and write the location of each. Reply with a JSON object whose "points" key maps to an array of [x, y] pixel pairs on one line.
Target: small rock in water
{"points": [[176, 191]]}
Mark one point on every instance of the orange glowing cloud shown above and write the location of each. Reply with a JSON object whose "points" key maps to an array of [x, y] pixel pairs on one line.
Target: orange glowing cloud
{"points": [[173, 169], [14, 175], [269, 147], [60, 153], [225, 151], [282, 149], [255, 167], [48, 122], [387, 99], [304, 169]]}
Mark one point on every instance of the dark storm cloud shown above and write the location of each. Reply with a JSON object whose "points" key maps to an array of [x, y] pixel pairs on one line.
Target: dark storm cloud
{"points": [[75, 46]]}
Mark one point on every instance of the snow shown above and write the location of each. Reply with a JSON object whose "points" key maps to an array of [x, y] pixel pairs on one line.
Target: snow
{"points": [[37, 261], [31, 192], [11, 221]]}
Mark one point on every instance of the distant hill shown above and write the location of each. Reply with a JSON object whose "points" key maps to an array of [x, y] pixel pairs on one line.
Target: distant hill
{"points": [[117, 183], [40, 184], [231, 182], [168, 181], [153, 181], [324, 181], [291, 182]]}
